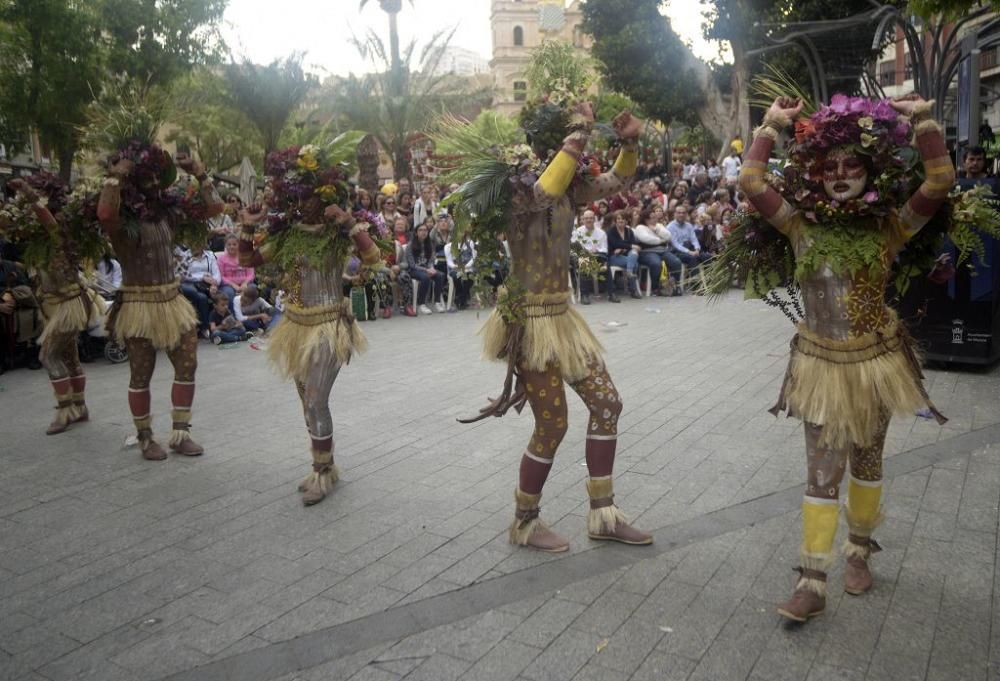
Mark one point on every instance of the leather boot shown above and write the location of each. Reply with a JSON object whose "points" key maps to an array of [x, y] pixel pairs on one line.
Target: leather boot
{"points": [[180, 438], [809, 598], [605, 521], [151, 450], [857, 574], [528, 529]]}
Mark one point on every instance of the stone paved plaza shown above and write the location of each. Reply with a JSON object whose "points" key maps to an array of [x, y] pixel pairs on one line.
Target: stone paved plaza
{"points": [[113, 568]]}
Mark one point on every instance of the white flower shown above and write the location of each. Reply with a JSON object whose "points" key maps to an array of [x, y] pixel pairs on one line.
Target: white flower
{"points": [[310, 149]]}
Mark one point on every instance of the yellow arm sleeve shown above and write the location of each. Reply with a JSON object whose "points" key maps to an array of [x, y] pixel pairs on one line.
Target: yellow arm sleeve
{"points": [[556, 178]]}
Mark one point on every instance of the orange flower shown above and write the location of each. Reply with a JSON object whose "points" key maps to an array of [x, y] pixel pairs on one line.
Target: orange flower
{"points": [[804, 129]]}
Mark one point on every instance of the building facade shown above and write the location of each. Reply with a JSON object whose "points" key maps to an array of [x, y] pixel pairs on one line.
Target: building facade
{"points": [[519, 26]]}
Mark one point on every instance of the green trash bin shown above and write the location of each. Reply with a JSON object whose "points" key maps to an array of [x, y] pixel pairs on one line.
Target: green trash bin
{"points": [[359, 303]]}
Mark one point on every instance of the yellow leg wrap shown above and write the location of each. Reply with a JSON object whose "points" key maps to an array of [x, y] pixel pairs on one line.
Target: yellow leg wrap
{"points": [[864, 506], [819, 528], [603, 520]]}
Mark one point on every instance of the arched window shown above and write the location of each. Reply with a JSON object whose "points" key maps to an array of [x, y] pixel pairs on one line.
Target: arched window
{"points": [[518, 36], [520, 91]]}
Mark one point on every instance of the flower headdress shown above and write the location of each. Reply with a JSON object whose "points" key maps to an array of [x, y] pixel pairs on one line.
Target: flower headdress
{"points": [[304, 180]]}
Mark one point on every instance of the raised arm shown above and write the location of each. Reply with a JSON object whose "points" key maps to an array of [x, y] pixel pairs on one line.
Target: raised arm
{"points": [[41, 212], [109, 204], [616, 179], [939, 174], [213, 203], [765, 198], [367, 250]]}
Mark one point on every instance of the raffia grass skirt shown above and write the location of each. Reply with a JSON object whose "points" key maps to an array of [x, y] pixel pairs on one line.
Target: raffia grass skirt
{"points": [[847, 386], [71, 309], [160, 314], [553, 332], [303, 331]]}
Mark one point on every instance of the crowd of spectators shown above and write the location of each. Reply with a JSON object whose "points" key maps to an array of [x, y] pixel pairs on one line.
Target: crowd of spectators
{"points": [[653, 236]]}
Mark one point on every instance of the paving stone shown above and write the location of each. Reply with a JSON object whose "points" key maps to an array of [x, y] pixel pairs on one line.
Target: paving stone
{"points": [[547, 622], [503, 663], [439, 667], [564, 657]]}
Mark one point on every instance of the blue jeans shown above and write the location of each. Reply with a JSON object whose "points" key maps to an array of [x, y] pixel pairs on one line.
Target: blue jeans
{"points": [[630, 263], [228, 336], [654, 261], [424, 283], [202, 303]]}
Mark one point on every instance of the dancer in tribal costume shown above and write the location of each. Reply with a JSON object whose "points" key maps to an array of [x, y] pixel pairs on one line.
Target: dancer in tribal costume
{"points": [[852, 363], [317, 334], [149, 313], [68, 305], [550, 345]]}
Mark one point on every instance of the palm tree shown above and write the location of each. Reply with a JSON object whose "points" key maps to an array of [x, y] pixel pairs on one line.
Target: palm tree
{"points": [[392, 8], [393, 107]]}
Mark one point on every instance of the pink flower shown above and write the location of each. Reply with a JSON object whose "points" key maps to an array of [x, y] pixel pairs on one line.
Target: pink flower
{"points": [[871, 197], [839, 103]]}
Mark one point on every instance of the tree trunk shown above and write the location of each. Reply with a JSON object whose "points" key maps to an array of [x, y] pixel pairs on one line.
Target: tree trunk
{"points": [[400, 162], [723, 115], [368, 164], [66, 155]]}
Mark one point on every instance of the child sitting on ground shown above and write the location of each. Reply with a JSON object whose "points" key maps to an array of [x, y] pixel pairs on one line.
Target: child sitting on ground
{"points": [[223, 326], [255, 313]]}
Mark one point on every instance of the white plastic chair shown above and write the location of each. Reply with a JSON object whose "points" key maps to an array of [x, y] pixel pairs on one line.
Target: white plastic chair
{"points": [[614, 269], [449, 297]]}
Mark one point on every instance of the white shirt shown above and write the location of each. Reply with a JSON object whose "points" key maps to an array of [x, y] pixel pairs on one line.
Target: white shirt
{"points": [[450, 257], [109, 278], [657, 235], [731, 167], [595, 241], [199, 266], [421, 211]]}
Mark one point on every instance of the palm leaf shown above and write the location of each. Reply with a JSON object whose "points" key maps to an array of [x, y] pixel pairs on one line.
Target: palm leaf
{"points": [[344, 148], [774, 83]]}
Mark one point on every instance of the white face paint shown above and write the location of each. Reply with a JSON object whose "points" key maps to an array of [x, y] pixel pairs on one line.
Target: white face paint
{"points": [[844, 176]]}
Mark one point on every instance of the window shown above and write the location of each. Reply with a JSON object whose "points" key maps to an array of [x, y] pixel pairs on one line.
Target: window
{"points": [[887, 73], [520, 91], [907, 67], [988, 59], [518, 36]]}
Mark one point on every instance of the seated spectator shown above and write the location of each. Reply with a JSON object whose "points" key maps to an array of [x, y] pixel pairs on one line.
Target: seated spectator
{"points": [[399, 271], [655, 251], [601, 214], [200, 282], [623, 251], [440, 231], [420, 261], [461, 259], [389, 212], [707, 233], [684, 241], [253, 312], [699, 188], [108, 274], [234, 276], [677, 195], [20, 316], [405, 206], [222, 324], [594, 240], [634, 213]]}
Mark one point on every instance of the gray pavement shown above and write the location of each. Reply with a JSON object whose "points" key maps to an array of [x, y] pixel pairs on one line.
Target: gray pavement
{"points": [[115, 568]]}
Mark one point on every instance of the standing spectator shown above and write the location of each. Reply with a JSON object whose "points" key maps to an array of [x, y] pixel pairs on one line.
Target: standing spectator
{"points": [[684, 241], [420, 261], [623, 251], [364, 201], [220, 226], [714, 172], [425, 206], [655, 250], [731, 169], [974, 163], [200, 282], [234, 276], [737, 145], [461, 260], [595, 241], [405, 207], [399, 267], [601, 215], [708, 234], [389, 212]]}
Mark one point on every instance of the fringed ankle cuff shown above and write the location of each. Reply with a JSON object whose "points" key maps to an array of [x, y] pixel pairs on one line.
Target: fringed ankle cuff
{"points": [[78, 399], [860, 546], [179, 435], [811, 580], [603, 516], [322, 479], [526, 519]]}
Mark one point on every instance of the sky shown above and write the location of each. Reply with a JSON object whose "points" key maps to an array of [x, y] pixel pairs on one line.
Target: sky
{"points": [[268, 29]]}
